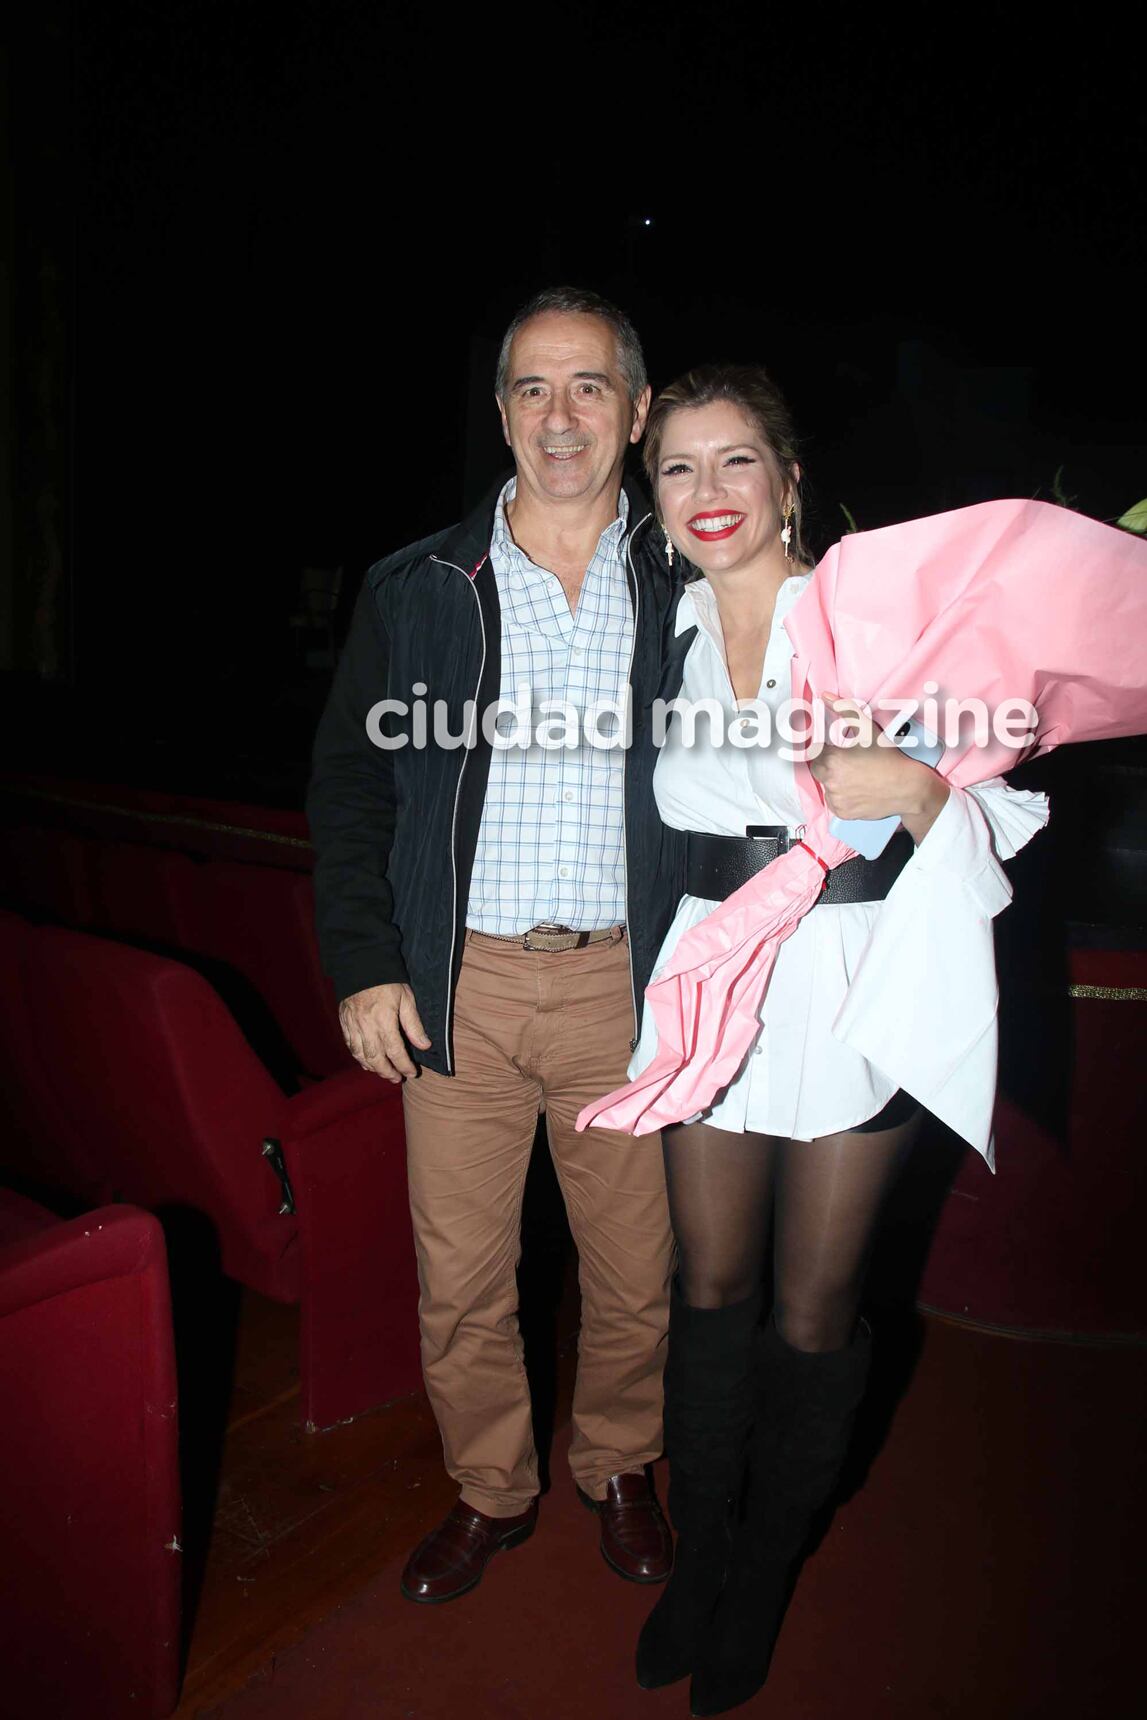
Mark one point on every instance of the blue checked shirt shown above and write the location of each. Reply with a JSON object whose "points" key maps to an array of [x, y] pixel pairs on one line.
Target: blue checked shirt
{"points": [[551, 847]]}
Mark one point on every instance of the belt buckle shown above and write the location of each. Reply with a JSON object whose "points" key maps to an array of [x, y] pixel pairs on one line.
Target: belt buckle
{"points": [[547, 932], [778, 833]]}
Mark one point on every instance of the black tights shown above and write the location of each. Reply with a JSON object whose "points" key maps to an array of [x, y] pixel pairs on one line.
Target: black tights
{"points": [[824, 1197]]}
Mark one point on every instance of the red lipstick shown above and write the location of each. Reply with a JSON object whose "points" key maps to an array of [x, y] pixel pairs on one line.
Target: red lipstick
{"points": [[714, 514]]}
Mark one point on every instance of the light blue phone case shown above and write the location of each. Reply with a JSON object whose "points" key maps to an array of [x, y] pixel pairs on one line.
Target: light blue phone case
{"points": [[870, 836]]}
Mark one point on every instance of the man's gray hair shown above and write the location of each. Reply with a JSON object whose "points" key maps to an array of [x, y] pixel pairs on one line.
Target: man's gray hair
{"points": [[578, 301]]}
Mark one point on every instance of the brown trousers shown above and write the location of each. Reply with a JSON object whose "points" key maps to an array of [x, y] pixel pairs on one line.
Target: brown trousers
{"points": [[533, 1027]]}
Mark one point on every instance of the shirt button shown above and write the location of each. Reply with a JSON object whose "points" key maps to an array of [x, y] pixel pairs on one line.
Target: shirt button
{"points": [[770, 683], [568, 794], [563, 871]]}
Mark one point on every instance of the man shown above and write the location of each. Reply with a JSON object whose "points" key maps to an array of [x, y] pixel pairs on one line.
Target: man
{"points": [[490, 914]]}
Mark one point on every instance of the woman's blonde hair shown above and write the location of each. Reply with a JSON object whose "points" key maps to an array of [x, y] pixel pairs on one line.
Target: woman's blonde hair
{"points": [[752, 390]]}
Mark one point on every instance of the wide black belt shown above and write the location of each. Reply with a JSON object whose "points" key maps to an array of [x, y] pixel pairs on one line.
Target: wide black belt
{"points": [[715, 866]]}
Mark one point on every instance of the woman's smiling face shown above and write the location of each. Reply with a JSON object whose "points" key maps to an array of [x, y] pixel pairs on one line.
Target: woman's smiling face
{"points": [[721, 495]]}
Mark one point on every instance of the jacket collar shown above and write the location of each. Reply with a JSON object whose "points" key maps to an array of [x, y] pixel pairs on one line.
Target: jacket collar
{"points": [[468, 543]]}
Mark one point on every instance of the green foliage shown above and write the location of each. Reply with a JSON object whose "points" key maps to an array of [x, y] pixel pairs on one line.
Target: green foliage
{"points": [[1135, 519], [1058, 493]]}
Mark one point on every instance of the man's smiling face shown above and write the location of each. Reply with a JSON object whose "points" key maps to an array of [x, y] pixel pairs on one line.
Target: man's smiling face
{"points": [[567, 414]]}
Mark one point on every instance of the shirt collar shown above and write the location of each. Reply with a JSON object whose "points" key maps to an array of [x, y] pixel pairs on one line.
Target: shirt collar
{"points": [[502, 538], [698, 606]]}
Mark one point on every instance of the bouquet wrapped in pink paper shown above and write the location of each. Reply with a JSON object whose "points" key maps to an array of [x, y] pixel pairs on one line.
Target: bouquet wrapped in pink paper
{"points": [[1003, 602]]}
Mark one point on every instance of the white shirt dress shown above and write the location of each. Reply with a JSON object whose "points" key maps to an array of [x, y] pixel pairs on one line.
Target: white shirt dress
{"points": [[865, 997]]}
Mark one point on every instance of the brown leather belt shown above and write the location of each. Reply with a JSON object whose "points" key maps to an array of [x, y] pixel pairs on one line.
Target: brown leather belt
{"points": [[554, 939]]}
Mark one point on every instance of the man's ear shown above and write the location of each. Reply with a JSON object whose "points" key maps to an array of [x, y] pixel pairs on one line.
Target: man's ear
{"points": [[505, 421], [640, 414]]}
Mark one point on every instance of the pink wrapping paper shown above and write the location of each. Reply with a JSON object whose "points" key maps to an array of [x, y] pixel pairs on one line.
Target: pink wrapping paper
{"points": [[1005, 600]]}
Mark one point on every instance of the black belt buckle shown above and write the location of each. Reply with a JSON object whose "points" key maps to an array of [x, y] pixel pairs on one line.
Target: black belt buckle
{"points": [[778, 833]]}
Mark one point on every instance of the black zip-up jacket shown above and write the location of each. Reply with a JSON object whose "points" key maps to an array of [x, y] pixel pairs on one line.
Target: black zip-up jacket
{"points": [[395, 831]]}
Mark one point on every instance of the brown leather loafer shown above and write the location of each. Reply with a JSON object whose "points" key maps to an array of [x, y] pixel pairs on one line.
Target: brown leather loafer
{"points": [[635, 1537], [451, 1559]]}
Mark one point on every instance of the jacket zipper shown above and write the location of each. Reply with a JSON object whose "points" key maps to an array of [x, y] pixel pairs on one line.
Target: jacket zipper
{"points": [[625, 769], [454, 828]]}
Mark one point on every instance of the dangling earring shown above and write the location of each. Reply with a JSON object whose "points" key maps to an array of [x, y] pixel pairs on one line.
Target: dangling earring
{"points": [[787, 532], [669, 549]]}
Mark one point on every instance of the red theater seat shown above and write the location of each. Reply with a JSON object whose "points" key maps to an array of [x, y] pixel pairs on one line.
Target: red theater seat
{"points": [[151, 1071], [256, 920], [40, 1142], [150, 1065], [90, 1524], [47, 871], [1051, 1243], [142, 892], [181, 878], [260, 921]]}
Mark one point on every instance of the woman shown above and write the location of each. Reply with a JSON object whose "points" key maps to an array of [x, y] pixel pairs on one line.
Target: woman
{"points": [[808, 1135]]}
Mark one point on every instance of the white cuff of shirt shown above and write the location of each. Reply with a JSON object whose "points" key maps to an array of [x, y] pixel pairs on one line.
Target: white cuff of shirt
{"points": [[922, 1003], [977, 828]]}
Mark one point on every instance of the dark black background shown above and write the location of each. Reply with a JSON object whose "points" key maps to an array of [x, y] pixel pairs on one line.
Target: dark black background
{"points": [[292, 235]]}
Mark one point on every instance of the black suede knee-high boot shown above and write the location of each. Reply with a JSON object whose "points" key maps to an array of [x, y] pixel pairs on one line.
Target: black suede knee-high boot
{"points": [[708, 1398], [807, 1407]]}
